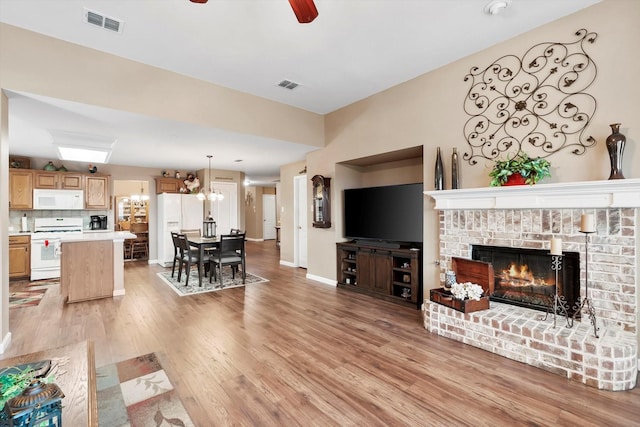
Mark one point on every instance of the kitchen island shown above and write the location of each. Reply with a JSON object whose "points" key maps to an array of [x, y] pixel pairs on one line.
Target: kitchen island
{"points": [[92, 265]]}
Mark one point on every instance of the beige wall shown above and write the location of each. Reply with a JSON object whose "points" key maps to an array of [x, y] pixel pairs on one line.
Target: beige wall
{"points": [[253, 209], [5, 335], [428, 111], [42, 65]]}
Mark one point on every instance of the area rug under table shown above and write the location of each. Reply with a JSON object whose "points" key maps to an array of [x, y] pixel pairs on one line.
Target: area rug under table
{"points": [[194, 288], [21, 299], [138, 392]]}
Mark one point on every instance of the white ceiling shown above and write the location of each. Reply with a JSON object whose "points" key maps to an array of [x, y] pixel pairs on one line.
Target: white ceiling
{"points": [[353, 49]]}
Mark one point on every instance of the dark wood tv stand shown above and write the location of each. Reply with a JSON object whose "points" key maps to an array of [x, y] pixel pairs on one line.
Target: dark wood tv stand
{"points": [[392, 274]]}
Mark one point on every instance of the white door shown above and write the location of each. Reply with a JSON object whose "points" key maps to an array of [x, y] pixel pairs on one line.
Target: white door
{"points": [[300, 221], [268, 216], [225, 211]]}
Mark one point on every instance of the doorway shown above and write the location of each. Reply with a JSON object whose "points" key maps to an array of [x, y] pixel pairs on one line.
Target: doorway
{"points": [[268, 216], [225, 211], [300, 221]]}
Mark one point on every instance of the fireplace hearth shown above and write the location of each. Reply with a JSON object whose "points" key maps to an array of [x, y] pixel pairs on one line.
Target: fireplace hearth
{"points": [[524, 277]]}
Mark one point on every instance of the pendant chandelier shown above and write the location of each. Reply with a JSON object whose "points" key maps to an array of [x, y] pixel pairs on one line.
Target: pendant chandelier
{"points": [[210, 193], [141, 196]]}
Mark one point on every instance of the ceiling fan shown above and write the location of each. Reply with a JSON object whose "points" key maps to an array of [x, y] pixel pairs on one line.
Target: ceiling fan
{"points": [[305, 10]]}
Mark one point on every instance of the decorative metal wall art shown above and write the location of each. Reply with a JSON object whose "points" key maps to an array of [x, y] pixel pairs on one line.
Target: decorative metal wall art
{"points": [[537, 102]]}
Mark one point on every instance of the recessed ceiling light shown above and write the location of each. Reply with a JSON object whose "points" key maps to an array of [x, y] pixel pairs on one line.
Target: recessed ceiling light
{"points": [[82, 147], [494, 7]]}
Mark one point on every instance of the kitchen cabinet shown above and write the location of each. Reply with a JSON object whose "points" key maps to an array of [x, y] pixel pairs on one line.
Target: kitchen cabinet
{"points": [[57, 180], [19, 256], [169, 185], [20, 189], [130, 211], [96, 191]]}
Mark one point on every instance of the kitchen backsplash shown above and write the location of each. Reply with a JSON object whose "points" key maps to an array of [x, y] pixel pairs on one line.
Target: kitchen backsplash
{"points": [[15, 217]]}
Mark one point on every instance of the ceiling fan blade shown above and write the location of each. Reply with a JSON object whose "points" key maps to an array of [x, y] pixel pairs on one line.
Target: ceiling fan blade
{"points": [[199, 1], [305, 10]]}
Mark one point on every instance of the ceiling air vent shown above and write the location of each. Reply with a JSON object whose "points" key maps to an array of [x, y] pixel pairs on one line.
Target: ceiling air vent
{"points": [[103, 21], [287, 84]]}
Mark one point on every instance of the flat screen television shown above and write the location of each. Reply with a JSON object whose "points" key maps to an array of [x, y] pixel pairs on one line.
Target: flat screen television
{"points": [[391, 213]]}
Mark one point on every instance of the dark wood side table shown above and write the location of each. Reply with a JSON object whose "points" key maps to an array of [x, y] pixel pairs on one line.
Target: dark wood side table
{"points": [[277, 235]]}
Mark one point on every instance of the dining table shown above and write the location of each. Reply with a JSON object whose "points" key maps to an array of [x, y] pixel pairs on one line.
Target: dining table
{"points": [[202, 244]]}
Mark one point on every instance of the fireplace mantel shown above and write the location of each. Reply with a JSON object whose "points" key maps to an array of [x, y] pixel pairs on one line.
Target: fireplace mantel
{"points": [[621, 193]]}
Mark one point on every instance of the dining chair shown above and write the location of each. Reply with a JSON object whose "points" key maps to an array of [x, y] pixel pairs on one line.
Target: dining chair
{"points": [[139, 245], [190, 257], [177, 254], [231, 251], [191, 232]]}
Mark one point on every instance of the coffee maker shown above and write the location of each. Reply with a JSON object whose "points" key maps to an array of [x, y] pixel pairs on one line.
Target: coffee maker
{"points": [[98, 222]]}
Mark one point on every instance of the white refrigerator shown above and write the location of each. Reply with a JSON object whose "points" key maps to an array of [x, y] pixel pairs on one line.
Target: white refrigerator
{"points": [[176, 212]]}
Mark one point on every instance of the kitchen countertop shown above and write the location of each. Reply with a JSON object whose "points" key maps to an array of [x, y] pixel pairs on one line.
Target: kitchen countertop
{"points": [[99, 235], [86, 235], [19, 233]]}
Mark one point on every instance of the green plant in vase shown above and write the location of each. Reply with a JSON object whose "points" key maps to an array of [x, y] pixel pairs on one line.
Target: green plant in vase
{"points": [[530, 169]]}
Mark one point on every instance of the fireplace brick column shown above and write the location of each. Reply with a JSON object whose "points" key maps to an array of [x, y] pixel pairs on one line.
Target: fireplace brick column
{"points": [[528, 217]]}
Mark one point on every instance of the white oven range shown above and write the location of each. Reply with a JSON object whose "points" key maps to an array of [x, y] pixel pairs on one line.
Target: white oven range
{"points": [[48, 233]]}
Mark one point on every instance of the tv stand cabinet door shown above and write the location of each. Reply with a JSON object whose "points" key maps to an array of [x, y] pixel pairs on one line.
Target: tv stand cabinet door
{"points": [[374, 270]]}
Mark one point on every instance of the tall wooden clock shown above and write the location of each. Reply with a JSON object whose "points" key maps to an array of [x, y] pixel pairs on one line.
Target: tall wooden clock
{"points": [[321, 201]]}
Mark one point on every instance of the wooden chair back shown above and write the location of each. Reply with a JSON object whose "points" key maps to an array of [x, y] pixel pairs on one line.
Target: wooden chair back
{"points": [[191, 232]]}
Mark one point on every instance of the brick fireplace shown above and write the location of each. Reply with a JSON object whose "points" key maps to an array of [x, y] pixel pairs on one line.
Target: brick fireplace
{"points": [[528, 217]]}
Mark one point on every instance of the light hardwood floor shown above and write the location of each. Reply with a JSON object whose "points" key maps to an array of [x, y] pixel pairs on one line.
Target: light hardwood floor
{"points": [[296, 352]]}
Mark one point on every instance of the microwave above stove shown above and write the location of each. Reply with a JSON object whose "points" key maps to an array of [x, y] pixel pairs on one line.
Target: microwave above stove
{"points": [[58, 199]]}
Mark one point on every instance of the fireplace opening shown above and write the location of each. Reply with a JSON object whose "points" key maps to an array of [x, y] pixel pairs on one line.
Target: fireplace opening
{"points": [[524, 277]]}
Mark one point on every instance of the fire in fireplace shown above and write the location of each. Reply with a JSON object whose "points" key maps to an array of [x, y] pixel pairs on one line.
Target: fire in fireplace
{"points": [[524, 276]]}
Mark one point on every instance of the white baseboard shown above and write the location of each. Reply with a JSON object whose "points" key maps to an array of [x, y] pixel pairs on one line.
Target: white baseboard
{"points": [[152, 261], [254, 240], [287, 263], [5, 343], [118, 293], [323, 280]]}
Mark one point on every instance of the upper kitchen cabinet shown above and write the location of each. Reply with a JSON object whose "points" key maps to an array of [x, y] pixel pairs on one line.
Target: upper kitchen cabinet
{"points": [[20, 189], [169, 185], [57, 180], [96, 192]]}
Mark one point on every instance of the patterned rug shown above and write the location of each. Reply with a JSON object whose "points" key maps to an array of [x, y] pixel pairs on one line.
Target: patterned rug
{"points": [[138, 392], [21, 299], [44, 282], [193, 288]]}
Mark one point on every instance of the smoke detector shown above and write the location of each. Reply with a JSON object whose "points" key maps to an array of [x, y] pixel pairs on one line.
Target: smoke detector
{"points": [[494, 7]]}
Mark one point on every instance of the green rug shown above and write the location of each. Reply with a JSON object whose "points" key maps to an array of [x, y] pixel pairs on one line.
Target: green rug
{"points": [[227, 283], [138, 392], [20, 299]]}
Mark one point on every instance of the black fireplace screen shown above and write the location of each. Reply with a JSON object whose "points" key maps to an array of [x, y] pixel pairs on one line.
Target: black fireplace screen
{"points": [[524, 276]]}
